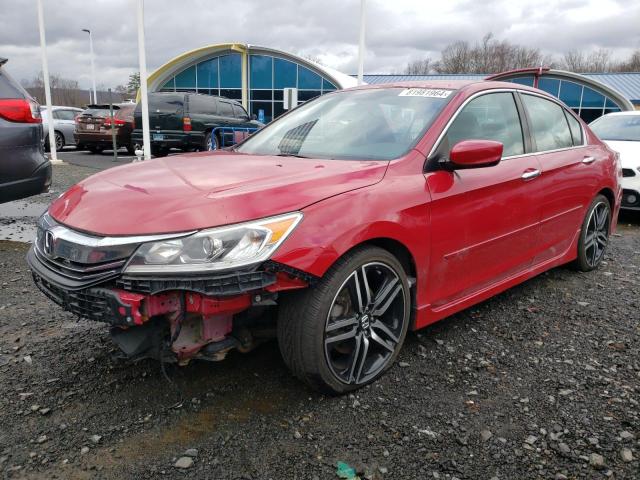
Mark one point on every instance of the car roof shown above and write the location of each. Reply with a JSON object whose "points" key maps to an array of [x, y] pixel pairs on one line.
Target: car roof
{"points": [[233, 100], [469, 86]]}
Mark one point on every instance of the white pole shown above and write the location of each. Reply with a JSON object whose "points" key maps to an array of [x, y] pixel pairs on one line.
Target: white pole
{"points": [[142, 60], [93, 68], [47, 87], [363, 21]]}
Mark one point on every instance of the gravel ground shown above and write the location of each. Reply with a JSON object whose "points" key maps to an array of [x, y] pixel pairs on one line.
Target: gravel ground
{"points": [[542, 381]]}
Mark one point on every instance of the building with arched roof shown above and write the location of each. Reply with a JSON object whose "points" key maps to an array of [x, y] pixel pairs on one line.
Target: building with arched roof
{"points": [[255, 75]]}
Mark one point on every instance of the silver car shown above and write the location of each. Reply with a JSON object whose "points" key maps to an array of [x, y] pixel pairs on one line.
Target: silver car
{"points": [[63, 123]]}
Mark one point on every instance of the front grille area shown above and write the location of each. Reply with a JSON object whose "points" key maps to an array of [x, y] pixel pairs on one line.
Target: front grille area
{"points": [[628, 172], [98, 304], [83, 274]]}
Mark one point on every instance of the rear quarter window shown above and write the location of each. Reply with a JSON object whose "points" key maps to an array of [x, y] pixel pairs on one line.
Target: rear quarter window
{"points": [[240, 112], [576, 129]]}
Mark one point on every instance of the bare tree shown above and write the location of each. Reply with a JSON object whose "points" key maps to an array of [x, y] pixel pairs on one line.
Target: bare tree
{"points": [[632, 64], [487, 56], [419, 67], [581, 62]]}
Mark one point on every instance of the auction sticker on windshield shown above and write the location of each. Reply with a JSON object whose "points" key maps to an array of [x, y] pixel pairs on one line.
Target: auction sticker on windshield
{"points": [[425, 92]]}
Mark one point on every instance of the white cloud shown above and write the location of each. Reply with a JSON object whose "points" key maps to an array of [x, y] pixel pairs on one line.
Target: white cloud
{"points": [[397, 31]]}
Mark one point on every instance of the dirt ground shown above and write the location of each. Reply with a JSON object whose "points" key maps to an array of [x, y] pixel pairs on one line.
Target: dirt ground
{"points": [[542, 381]]}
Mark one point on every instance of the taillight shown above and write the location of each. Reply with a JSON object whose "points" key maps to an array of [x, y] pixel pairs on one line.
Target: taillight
{"points": [[186, 124], [116, 122], [20, 110]]}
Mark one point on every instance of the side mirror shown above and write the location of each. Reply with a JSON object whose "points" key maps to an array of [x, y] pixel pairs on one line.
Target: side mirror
{"points": [[475, 154]]}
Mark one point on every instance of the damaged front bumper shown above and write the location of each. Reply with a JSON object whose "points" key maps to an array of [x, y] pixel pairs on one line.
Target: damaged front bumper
{"points": [[173, 317]]}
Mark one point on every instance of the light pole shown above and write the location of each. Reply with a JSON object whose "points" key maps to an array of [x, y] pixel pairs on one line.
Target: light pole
{"points": [[93, 70], [47, 86], [363, 21], [142, 64]]}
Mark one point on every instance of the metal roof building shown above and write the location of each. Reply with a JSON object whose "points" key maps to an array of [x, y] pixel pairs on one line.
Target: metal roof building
{"points": [[589, 94]]}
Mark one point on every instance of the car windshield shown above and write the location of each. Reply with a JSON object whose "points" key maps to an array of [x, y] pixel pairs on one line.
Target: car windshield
{"points": [[373, 124], [618, 127]]}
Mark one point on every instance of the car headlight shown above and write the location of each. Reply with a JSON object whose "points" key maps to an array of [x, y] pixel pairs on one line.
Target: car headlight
{"points": [[216, 248]]}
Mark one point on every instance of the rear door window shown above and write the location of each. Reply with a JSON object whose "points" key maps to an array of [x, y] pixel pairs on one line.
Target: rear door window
{"points": [[64, 114], [202, 104], [225, 109], [493, 116], [549, 127]]}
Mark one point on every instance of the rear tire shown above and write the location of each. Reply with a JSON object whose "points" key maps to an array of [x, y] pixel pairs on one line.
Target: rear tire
{"points": [[131, 149], [211, 142], [160, 152], [347, 330], [594, 235], [58, 138]]}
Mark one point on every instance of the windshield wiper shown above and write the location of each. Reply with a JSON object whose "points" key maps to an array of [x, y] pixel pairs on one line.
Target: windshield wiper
{"points": [[290, 155]]}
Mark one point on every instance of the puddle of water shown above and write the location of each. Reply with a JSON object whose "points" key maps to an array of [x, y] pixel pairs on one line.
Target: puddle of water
{"points": [[18, 220], [21, 208], [18, 230]]}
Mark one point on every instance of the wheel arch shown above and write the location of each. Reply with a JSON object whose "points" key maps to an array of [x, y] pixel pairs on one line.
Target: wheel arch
{"points": [[609, 195]]}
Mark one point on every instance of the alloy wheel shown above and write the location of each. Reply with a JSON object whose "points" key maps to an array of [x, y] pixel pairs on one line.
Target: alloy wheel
{"points": [[59, 141], [365, 323], [597, 234], [212, 143]]}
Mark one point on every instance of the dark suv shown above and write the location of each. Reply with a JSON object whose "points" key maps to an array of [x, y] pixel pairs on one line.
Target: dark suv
{"points": [[24, 170], [192, 121], [93, 127]]}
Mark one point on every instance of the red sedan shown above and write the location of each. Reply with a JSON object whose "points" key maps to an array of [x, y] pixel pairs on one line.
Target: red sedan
{"points": [[338, 227]]}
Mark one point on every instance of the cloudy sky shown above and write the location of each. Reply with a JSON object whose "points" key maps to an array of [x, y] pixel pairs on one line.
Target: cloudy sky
{"points": [[398, 30]]}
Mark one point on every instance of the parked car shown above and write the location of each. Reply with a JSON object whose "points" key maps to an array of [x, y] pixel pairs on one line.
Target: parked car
{"points": [[355, 217], [192, 121], [24, 170], [621, 131], [93, 127], [64, 125]]}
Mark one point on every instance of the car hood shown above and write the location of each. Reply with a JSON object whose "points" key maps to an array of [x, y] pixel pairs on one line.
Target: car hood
{"points": [[629, 152], [190, 192]]}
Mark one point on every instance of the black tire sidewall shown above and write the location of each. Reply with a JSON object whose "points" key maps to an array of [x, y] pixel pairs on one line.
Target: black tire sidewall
{"points": [[581, 262], [312, 346]]}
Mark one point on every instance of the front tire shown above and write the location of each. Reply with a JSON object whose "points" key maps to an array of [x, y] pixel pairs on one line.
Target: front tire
{"points": [[594, 235], [58, 139], [347, 330]]}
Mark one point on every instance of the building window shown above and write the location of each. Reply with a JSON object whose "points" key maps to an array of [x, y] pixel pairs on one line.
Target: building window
{"points": [[285, 73], [261, 72], [308, 79], [207, 73], [230, 71], [186, 78], [571, 93]]}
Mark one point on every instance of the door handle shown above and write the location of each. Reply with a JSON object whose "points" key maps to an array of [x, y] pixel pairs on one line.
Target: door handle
{"points": [[588, 160], [530, 174]]}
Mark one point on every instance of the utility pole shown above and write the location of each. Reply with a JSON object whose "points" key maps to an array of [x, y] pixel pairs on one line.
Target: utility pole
{"points": [[93, 70]]}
